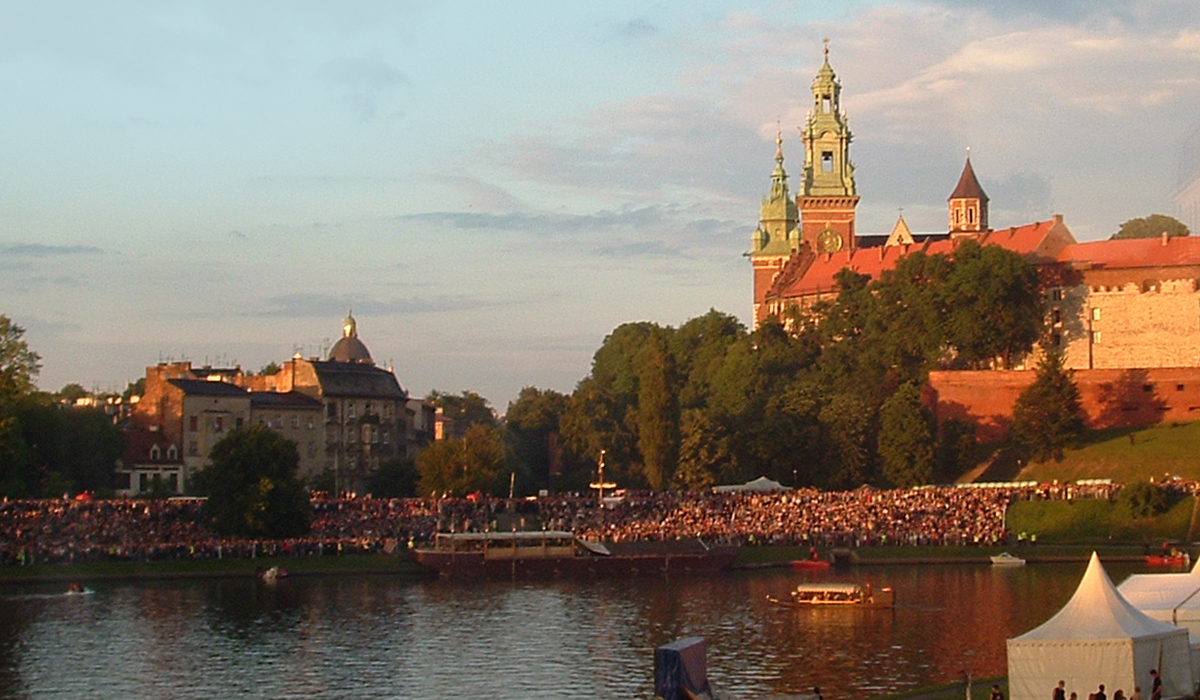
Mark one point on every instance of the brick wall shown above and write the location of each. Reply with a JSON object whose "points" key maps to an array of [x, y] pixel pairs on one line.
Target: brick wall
{"points": [[1110, 397]]}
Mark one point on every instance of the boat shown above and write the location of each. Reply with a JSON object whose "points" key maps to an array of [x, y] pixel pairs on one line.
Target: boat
{"points": [[272, 574], [1179, 559], [1006, 559], [560, 554], [78, 589], [810, 564], [846, 595]]}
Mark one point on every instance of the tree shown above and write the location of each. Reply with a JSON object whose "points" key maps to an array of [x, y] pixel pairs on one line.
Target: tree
{"points": [[657, 413], [18, 364], [997, 305], [465, 410], [396, 477], [72, 392], [252, 488], [270, 369], [703, 452], [1151, 226], [1048, 414], [532, 421], [906, 438], [458, 466]]}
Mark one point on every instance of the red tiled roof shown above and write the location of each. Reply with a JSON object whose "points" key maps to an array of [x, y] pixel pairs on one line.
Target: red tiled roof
{"points": [[1132, 253], [1038, 242]]}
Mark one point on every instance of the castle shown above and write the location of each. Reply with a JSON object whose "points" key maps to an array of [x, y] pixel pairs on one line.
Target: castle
{"points": [[1125, 313]]}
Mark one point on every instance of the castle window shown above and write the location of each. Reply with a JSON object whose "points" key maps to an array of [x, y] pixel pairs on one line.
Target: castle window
{"points": [[970, 215], [827, 161], [1057, 340], [1178, 387], [1056, 294], [826, 104], [1056, 316], [1096, 314], [1096, 337], [1147, 388]]}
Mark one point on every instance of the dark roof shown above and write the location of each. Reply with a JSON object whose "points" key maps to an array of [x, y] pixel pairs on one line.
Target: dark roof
{"points": [[287, 399], [350, 349], [875, 240], [968, 185], [203, 387], [358, 380]]}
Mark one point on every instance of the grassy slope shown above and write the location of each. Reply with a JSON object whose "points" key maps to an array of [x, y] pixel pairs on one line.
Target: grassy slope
{"points": [[1169, 449]]}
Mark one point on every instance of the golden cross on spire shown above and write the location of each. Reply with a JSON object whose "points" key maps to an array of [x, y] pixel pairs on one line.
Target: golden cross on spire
{"points": [[826, 42]]}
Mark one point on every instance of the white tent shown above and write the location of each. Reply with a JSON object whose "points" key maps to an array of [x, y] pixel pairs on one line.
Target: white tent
{"points": [[1099, 637], [760, 484], [1173, 598]]}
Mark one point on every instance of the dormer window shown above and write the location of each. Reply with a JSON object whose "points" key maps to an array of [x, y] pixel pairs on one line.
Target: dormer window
{"points": [[155, 453], [172, 454]]}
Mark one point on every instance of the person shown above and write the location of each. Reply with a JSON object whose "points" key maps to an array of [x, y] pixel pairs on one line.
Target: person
{"points": [[1137, 693], [996, 694], [1099, 694], [1155, 685], [1060, 691], [1119, 695], [817, 692]]}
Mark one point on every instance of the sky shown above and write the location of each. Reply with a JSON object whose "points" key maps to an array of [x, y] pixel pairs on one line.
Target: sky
{"points": [[493, 187]]}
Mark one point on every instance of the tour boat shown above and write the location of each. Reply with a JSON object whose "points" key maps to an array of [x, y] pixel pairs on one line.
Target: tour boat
{"points": [[560, 554], [838, 595], [1006, 559]]}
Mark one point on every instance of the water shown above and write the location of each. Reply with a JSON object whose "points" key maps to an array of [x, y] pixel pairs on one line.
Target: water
{"points": [[389, 637]]}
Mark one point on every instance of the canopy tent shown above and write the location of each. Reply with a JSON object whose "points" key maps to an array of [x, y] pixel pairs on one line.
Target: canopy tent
{"points": [[1099, 637], [761, 484], [1173, 598]]}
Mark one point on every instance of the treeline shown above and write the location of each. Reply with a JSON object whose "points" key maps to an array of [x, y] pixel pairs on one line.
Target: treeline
{"points": [[830, 399], [48, 448]]}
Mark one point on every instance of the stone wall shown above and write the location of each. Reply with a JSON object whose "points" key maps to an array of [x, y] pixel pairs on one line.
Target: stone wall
{"points": [[1110, 397]]}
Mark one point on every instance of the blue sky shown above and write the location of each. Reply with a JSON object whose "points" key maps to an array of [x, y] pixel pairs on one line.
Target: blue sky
{"points": [[492, 187]]}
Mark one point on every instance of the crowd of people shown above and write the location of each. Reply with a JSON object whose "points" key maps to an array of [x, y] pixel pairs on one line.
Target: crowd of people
{"points": [[55, 531]]}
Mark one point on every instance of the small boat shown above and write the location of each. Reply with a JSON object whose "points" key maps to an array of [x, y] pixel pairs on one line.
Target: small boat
{"points": [[1006, 559], [847, 595], [810, 564], [1179, 559], [272, 574], [78, 589]]}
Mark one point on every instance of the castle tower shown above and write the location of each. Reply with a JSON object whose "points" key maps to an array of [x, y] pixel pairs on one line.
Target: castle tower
{"points": [[828, 196], [968, 204], [777, 235]]}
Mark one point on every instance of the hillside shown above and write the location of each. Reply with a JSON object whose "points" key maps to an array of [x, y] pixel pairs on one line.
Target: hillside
{"points": [[1126, 455]]}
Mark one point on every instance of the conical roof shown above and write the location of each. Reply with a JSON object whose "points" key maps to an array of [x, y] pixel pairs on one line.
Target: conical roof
{"points": [[1097, 611], [968, 185]]}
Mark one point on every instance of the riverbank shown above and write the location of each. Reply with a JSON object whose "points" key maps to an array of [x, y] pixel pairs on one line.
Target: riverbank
{"points": [[403, 565]]}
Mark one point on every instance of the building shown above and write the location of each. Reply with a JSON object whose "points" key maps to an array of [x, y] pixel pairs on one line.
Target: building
{"points": [[344, 414], [1117, 308]]}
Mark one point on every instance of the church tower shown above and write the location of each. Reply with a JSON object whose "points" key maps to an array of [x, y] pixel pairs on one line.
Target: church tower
{"points": [[968, 204], [777, 235], [828, 196]]}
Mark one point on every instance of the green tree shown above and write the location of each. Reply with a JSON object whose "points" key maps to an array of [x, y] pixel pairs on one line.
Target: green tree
{"points": [[396, 477], [478, 461], [465, 410], [1151, 226], [906, 438], [848, 430], [252, 487], [698, 347], [704, 458], [955, 449], [532, 422], [997, 305], [70, 449], [657, 413], [271, 368], [1048, 414], [71, 393], [18, 364]]}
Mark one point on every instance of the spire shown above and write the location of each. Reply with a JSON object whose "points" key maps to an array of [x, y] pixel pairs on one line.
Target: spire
{"points": [[779, 214], [968, 203], [349, 326], [826, 135], [779, 188]]}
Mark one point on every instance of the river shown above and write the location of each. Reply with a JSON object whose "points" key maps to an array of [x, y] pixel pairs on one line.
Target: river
{"points": [[381, 636]]}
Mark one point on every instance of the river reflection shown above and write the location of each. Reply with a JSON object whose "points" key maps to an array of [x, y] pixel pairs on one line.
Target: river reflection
{"points": [[387, 637]]}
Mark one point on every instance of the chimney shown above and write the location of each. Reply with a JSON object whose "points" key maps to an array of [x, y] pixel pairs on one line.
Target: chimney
{"points": [[1164, 237]]}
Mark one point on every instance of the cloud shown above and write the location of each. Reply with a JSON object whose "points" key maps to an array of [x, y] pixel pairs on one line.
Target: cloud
{"points": [[40, 250], [326, 305]]}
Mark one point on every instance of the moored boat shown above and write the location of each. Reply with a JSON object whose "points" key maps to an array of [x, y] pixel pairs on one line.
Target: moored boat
{"points": [[1180, 559], [1006, 559], [855, 595], [810, 564], [560, 554]]}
